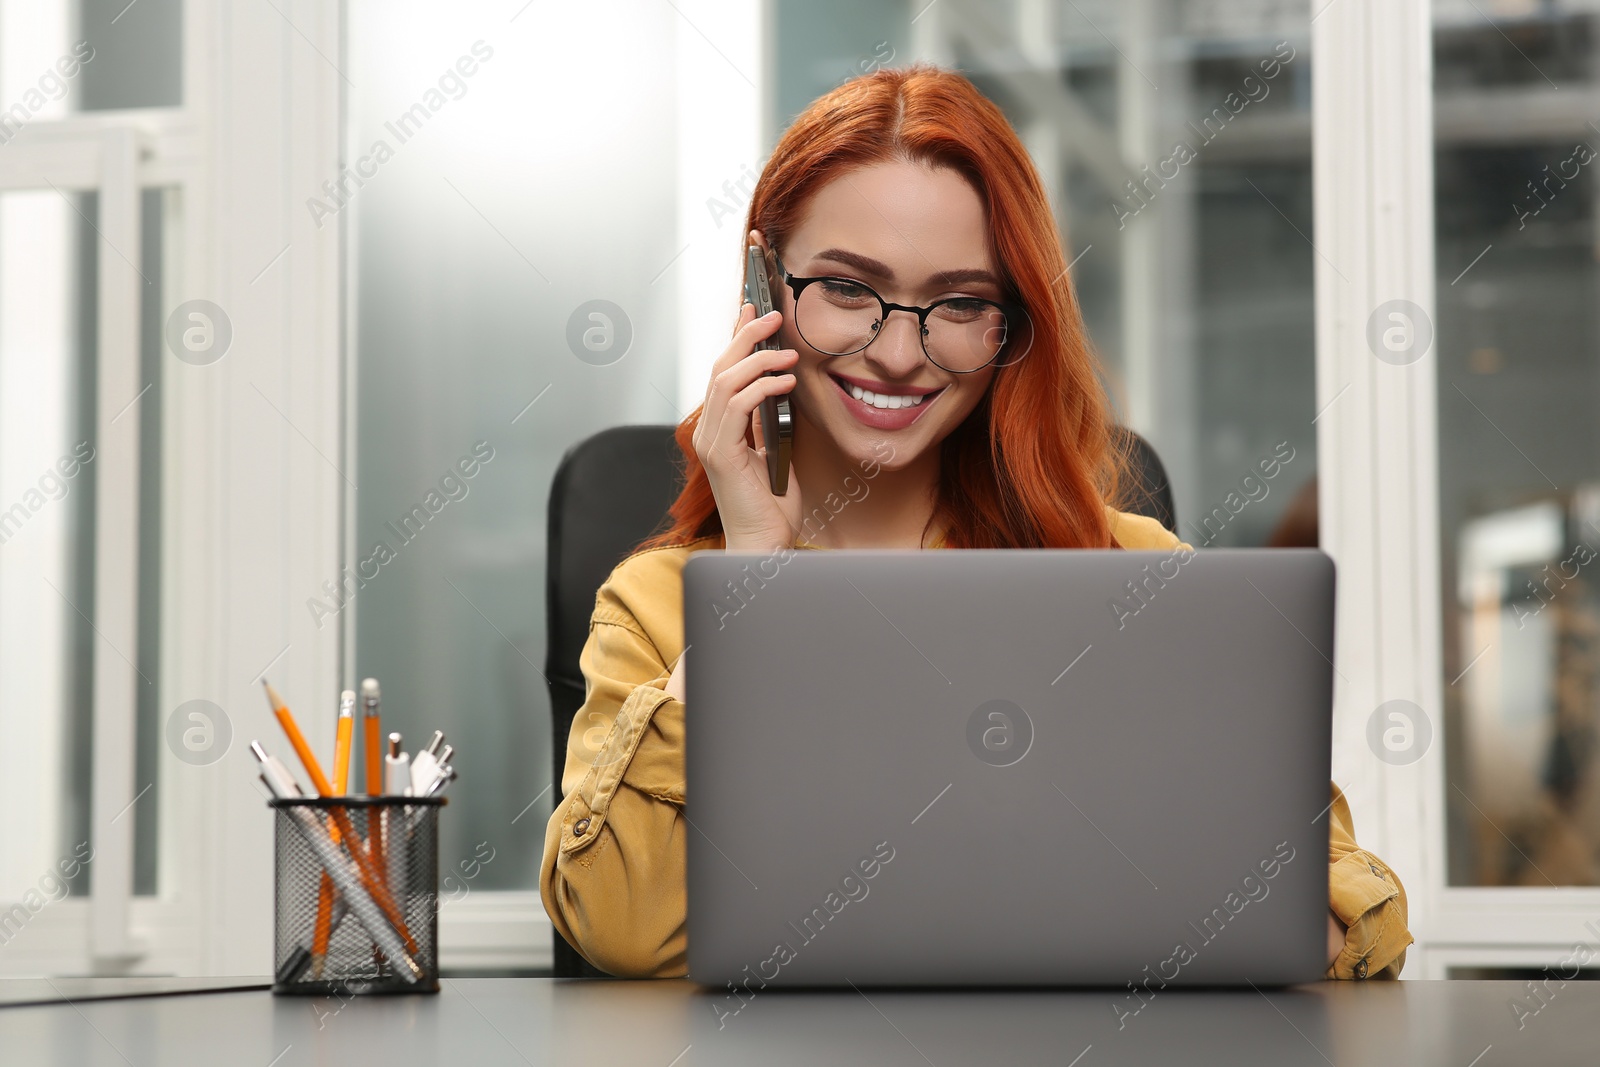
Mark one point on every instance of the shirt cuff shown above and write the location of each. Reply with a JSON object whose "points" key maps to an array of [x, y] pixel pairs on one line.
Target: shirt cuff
{"points": [[586, 814], [1362, 894]]}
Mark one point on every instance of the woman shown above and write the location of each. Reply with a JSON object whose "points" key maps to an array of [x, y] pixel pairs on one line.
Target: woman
{"points": [[986, 414]]}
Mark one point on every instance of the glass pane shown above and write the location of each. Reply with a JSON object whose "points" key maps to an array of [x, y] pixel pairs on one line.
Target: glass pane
{"points": [[481, 223], [138, 53], [1519, 479], [150, 717], [46, 494], [48, 352], [59, 56]]}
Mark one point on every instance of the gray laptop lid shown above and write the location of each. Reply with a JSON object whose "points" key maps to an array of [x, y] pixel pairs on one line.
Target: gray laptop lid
{"points": [[1008, 766]]}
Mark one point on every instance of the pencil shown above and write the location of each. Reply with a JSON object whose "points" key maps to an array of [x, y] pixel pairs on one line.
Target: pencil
{"points": [[322, 932], [372, 748], [341, 819]]}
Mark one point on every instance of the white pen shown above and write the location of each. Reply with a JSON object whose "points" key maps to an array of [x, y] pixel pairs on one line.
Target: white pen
{"points": [[425, 764], [280, 783], [344, 874], [428, 769], [396, 770], [447, 774], [424, 768]]}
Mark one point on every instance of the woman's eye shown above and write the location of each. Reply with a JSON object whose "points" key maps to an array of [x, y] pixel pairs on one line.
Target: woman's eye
{"points": [[839, 289], [964, 309]]}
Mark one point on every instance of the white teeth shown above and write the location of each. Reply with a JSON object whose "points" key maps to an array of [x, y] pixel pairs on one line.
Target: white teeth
{"points": [[884, 400]]}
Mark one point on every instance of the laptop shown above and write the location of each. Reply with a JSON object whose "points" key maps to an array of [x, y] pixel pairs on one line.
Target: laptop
{"points": [[1008, 767]]}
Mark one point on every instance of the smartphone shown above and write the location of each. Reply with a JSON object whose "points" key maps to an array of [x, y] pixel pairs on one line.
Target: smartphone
{"points": [[777, 423]]}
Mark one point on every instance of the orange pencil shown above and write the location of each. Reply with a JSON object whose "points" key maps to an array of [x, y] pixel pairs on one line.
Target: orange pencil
{"points": [[323, 930], [372, 749], [369, 876]]}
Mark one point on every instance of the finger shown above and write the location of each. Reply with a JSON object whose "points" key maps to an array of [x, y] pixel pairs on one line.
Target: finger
{"points": [[745, 313], [728, 384], [729, 381], [731, 424], [751, 330], [735, 422]]}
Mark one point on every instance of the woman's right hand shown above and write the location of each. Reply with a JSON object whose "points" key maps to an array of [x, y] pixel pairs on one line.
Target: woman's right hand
{"points": [[753, 519]]}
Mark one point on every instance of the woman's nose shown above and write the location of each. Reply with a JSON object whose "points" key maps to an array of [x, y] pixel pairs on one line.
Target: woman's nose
{"points": [[897, 348]]}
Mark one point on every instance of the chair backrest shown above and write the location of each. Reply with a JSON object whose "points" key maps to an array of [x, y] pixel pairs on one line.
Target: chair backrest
{"points": [[611, 491], [1152, 493]]}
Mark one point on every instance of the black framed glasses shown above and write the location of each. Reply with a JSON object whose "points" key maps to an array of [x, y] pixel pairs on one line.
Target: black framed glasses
{"points": [[960, 334]]}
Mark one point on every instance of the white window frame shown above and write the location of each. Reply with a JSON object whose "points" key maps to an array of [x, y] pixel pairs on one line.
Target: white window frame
{"points": [[1378, 438], [251, 508]]}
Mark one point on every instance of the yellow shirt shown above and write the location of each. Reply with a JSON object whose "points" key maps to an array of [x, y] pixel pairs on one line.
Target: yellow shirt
{"points": [[613, 878]]}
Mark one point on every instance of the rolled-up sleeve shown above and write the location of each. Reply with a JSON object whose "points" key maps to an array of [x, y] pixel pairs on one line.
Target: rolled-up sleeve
{"points": [[612, 877], [1365, 895]]}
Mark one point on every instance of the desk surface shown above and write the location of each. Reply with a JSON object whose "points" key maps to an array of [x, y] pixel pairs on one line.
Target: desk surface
{"points": [[673, 1024]]}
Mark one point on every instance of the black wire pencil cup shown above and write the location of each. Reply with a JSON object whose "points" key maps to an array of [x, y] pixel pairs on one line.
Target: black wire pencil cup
{"points": [[356, 877]]}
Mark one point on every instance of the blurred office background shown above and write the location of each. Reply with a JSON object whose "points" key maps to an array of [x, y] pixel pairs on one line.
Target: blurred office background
{"points": [[501, 168]]}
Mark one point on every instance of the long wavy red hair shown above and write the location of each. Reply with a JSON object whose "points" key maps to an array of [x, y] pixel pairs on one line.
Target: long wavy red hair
{"points": [[1035, 462]]}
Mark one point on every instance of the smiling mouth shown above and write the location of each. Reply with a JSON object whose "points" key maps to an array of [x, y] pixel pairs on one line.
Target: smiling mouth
{"points": [[883, 401]]}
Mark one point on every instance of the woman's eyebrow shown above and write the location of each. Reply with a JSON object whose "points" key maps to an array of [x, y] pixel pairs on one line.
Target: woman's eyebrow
{"points": [[868, 265]]}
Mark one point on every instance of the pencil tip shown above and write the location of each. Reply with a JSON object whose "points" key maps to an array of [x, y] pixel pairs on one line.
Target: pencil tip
{"points": [[272, 695]]}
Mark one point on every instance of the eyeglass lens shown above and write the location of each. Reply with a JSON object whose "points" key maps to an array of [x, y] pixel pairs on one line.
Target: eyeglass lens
{"points": [[838, 317]]}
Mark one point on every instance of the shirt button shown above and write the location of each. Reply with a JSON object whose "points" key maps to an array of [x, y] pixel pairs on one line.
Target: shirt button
{"points": [[1374, 868], [581, 827], [1361, 967]]}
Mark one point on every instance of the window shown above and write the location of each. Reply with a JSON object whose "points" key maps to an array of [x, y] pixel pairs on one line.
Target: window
{"points": [[1519, 487], [1176, 146], [169, 373], [82, 272]]}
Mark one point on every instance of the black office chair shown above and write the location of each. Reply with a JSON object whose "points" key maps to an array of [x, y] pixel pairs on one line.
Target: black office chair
{"points": [[611, 492]]}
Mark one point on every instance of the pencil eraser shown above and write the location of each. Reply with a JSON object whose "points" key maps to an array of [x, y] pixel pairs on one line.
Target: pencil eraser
{"points": [[369, 688]]}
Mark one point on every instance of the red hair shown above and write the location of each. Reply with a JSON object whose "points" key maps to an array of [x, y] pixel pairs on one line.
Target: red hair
{"points": [[1033, 465]]}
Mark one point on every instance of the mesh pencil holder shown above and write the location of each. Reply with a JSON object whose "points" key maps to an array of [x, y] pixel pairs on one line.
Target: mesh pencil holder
{"points": [[355, 908]]}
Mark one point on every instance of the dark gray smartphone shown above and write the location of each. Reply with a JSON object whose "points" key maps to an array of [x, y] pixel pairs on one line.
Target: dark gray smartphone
{"points": [[777, 423]]}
